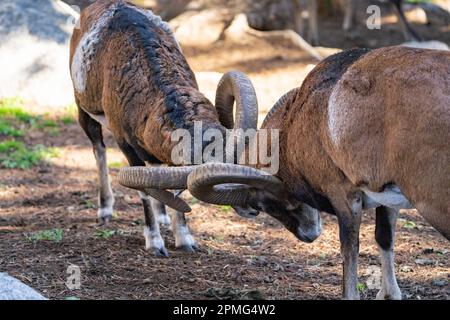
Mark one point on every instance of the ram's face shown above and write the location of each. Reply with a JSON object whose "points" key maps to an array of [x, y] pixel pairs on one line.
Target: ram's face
{"points": [[299, 218]]}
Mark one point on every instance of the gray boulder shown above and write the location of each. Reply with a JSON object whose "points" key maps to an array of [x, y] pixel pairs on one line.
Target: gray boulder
{"points": [[201, 28], [13, 289], [34, 50]]}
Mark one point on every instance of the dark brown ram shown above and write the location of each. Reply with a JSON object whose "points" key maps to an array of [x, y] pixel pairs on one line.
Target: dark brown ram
{"points": [[130, 75]]}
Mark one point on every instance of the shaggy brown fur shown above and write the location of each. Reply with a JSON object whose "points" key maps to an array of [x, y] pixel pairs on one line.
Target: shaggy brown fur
{"points": [[128, 69], [140, 81]]}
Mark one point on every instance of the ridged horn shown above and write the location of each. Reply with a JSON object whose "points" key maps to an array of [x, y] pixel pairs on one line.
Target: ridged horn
{"points": [[230, 184], [154, 181], [236, 86]]}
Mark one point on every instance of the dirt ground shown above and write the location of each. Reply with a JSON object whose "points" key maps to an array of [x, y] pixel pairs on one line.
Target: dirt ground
{"points": [[238, 258]]}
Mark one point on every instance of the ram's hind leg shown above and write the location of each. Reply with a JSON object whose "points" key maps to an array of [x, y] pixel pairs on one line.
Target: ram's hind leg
{"points": [[94, 132], [385, 237]]}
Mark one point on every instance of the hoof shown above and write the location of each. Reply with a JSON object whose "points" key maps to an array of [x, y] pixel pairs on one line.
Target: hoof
{"points": [[104, 215], [383, 295], [155, 243], [159, 252], [189, 248]]}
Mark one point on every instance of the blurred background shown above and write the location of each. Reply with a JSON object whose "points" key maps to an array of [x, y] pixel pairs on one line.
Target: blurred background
{"points": [[48, 175], [34, 37]]}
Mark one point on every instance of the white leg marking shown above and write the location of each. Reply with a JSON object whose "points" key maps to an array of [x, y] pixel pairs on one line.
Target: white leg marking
{"points": [[163, 219], [105, 214], [153, 239], [105, 194], [389, 287], [183, 237]]}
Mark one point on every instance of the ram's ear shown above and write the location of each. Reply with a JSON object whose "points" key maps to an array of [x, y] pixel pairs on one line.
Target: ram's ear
{"points": [[291, 202]]}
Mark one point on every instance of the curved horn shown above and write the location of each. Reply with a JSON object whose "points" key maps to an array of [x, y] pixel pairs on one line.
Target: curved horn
{"points": [[160, 178], [236, 86], [169, 199], [155, 180], [230, 184], [280, 103]]}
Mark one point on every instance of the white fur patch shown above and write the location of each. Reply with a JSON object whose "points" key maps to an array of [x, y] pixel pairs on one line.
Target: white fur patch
{"points": [[389, 287], [153, 239], [103, 213], [183, 237], [86, 49], [335, 116], [163, 219], [391, 197]]}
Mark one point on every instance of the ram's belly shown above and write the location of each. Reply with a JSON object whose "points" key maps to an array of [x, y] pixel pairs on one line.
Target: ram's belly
{"points": [[391, 196]]}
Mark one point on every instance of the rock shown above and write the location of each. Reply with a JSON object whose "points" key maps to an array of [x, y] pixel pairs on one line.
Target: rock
{"points": [[266, 15], [169, 9], [13, 289], [201, 28], [440, 283], [425, 262], [34, 37]]}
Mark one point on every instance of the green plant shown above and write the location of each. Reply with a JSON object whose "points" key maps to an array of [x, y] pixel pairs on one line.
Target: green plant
{"points": [[104, 234], [194, 201], [42, 123], [15, 155], [115, 165], [55, 235], [67, 120], [53, 132], [89, 204], [225, 209], [361, 287], [70, 114], [7, 129], [409, 225], [13, 107], [48, 123]]}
